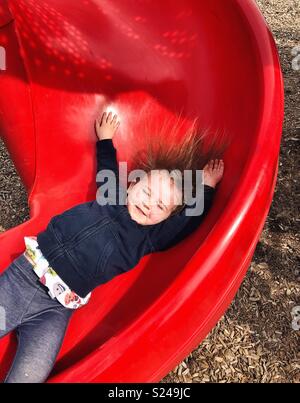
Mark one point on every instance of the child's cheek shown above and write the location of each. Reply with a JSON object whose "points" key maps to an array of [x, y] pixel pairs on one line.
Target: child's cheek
{"points": [[132, 196], [138, 195]]}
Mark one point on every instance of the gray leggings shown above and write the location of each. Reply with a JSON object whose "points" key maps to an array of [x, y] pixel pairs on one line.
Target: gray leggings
{"points": [[39, 320]]}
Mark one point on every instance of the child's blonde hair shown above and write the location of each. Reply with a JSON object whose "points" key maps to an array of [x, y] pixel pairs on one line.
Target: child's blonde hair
{"points": [[169, 149]]}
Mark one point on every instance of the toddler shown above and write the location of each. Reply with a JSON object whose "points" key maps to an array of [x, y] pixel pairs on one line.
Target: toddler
{"points": [[91, 243]]}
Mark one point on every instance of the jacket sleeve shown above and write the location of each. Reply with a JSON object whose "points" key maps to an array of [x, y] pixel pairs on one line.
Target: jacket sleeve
{"points": [[107, 160], [176, 228]]}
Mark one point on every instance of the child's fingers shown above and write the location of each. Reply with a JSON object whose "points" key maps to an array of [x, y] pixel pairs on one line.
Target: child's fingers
{"points": [[103, 117], [108, 117]]}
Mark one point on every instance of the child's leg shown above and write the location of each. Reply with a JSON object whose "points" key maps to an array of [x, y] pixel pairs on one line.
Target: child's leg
{"points": [[15, 295], [41, 322], [39, 341]]}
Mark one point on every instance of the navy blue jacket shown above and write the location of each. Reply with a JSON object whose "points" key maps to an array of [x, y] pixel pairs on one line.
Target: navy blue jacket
{"points": [[89, 244]]}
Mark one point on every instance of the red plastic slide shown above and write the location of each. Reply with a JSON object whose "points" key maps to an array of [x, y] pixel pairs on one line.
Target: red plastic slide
{"points": [[66, 61]]}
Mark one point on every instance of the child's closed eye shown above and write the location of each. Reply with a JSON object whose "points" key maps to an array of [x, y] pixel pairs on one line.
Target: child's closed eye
{"points": [[159, 205]]}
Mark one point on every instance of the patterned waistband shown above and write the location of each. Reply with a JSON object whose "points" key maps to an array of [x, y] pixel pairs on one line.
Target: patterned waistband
{"points": [[48, 277]]}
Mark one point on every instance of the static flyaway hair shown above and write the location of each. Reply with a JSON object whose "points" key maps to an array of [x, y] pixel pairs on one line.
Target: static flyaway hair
{"points": [[171, 149]]}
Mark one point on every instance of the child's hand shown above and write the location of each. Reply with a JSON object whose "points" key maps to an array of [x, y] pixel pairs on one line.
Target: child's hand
{"points": [[213, 172], [106, 126]]}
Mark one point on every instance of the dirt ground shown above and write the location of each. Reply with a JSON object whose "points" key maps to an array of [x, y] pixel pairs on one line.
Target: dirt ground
{"points": [[254, 341]]}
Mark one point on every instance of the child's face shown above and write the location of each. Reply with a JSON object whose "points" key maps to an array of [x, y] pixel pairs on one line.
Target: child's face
{"points": [[153, 198]]}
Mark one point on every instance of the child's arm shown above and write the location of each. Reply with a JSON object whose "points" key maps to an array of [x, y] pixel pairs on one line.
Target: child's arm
{"points": [[176, 228], [106, 127], [179, 226], [106, 157]]}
